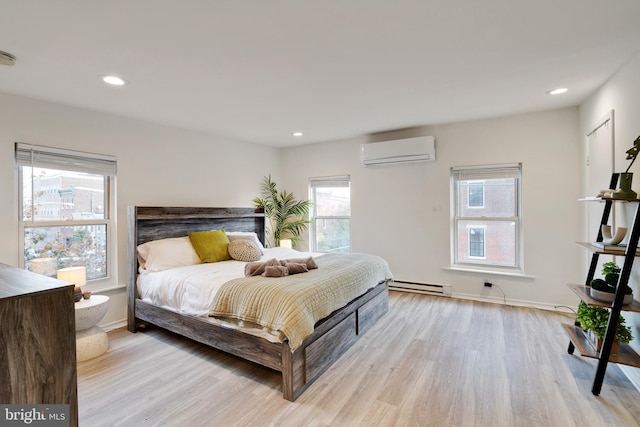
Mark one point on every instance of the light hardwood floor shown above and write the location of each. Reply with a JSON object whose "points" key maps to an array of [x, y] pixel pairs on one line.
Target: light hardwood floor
{"points": [[431, 361]]}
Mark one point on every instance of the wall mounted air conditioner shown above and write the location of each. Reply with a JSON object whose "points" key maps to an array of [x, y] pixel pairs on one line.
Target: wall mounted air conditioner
{"points": [[408, 150]]}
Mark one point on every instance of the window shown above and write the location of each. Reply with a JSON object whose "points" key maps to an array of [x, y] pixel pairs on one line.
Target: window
{"points": [[476, 242], [475, 197], [487, 218], [330, 214], [66, 210]]}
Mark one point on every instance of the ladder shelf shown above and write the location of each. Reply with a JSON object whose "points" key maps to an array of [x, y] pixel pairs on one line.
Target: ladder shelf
{"points": [[626, 354]]}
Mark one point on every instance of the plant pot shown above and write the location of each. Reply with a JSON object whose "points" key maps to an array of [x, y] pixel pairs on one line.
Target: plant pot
{"points": [[608, 297], [625, 191], [596, 343]]}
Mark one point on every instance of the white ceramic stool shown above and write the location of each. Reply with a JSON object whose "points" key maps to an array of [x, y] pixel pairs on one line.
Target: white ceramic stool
{"points": [[91, 340]]}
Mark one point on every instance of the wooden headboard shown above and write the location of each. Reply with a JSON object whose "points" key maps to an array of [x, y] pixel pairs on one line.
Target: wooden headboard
{"points": [[146, 223], [152, 223]]}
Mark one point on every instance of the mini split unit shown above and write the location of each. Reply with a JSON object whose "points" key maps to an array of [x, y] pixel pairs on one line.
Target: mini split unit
{"points": [[408, 150]]}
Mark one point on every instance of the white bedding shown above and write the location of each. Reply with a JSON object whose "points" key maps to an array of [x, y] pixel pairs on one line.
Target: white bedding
{"points": [[191, 289]]}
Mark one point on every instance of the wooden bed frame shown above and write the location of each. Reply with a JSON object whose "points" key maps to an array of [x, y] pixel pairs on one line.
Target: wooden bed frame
{"points": [[331, 338]]}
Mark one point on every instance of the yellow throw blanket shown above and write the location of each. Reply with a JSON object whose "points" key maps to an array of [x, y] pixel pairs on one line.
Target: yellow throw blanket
{"points": [[293, 304]]}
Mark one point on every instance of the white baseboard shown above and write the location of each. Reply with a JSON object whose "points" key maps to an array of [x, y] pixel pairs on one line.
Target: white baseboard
{"points": [[114, 325], [519, 303], [633, 374]]}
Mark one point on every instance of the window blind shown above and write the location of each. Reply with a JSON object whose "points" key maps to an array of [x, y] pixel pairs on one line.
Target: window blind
{"points": [[54, 158], [330, 182], [486, 172]]}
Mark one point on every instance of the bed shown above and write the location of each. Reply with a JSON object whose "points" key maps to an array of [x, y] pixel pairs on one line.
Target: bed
{"points": [[300, 364]]}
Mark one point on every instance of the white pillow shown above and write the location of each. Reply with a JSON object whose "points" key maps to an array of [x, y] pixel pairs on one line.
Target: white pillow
{"points": [[235, 235], [158, 255]]}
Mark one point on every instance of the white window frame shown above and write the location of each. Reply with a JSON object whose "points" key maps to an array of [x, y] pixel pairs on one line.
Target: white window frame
{"points": [[68, 160], [323, 182], [482, 172]]}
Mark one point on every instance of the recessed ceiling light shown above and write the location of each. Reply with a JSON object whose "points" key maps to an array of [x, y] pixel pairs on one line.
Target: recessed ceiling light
{"points": [[7, 59], [113, 80], [557, 91], [297, 134]]}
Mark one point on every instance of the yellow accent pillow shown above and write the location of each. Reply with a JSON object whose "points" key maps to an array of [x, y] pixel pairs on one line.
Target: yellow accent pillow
{"points": [[211, 246]]}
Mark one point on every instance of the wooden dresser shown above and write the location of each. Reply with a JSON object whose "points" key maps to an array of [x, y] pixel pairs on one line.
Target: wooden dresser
{"points": [[37, 340]]}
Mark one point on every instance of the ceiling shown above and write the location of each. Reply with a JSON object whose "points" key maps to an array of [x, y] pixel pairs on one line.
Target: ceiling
{"points": [[258, 70]]}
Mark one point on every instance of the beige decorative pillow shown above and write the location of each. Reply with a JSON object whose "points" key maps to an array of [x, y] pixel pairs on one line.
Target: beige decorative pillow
{"points": [[244, 250], [235, 235]]}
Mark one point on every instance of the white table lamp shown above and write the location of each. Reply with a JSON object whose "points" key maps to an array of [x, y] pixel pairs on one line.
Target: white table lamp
{"points": [[76, 276]]}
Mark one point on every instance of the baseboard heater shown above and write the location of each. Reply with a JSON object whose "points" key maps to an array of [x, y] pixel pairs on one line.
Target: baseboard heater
{"points": [[421, 288]]}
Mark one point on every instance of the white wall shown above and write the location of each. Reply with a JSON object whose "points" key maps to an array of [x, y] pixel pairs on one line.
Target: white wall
{"points": [[157, 165], [402, 213], [621, 94]]}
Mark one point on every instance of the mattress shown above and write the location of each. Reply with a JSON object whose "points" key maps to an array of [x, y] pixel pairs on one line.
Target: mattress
{"points": [[191, 289]]}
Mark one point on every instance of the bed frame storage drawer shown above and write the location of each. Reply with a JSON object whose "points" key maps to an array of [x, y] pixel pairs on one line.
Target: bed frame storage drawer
{"points": [[372, 311], [323, 352], [331, 339]]}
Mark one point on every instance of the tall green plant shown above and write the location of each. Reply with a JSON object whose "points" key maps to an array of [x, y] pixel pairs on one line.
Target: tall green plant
{"points": [[288, 217]]}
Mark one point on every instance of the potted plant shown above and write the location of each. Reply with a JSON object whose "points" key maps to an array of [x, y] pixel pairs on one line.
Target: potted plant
{"points": [[287, 216], [594, 321], [604, 289], [625, 191]]}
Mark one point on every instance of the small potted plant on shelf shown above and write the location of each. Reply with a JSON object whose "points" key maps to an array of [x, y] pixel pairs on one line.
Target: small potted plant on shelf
{"points": [[625, 191], [594, 321], [604, 290]]}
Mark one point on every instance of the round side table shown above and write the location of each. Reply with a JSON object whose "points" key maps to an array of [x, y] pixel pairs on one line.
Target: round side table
{"points": [[91, 340]]}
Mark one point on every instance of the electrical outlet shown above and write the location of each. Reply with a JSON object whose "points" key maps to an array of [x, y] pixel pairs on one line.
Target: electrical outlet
{"points": [[488, 284]]}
